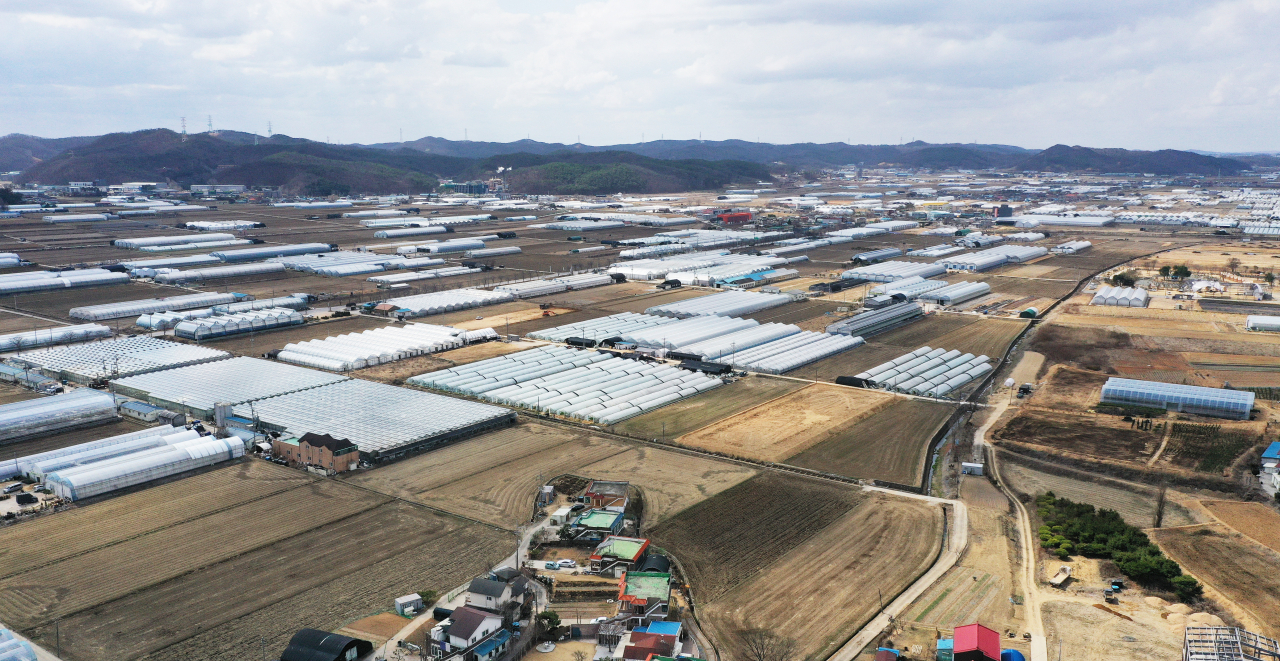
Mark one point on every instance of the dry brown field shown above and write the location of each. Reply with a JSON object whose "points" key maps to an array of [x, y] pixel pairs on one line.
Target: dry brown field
{"points": [[1136, 505], [1095, 436], [377, 629], [1087, 633], [790, 424], [642, 303], [12, 322], [723, 541], [925, 331], [881, 546], [1014, 286], [1242, 570], [849, 362], [1259, 522], [989, 337], [495, 477], [1214, 257], [10, 393], [1069, 389], [398, 371], [687, 415], [798, 312], [891, 445], [206, 566]]}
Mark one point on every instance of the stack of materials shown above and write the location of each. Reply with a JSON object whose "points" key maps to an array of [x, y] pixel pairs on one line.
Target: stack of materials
{"points": [[580, 384], [449, 301], [37, 417], [724, 304], [353, 351], [125, 356], [1124, 297], [928, 371], [790, 352], [50, 336]]}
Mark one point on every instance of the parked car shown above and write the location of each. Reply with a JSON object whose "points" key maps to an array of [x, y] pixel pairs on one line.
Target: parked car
{"points": [[577, 508], [568, 564], [552, 565], [13, 488]]}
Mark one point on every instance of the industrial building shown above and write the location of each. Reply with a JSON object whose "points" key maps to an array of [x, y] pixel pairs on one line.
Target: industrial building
{"points": [[1214, 402]]}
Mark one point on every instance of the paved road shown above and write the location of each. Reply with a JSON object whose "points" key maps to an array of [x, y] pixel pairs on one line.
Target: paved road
{"points": [[957, 542]]}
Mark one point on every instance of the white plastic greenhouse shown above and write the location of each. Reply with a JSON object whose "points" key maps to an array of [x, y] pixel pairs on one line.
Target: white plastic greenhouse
{"points": [[493, 252], [293, 302], [450, 300], [602, 328], [580, 384], [928, 371], [139, 242], [66, 279], [584, 280], [353, 351], [957, 293], [583, 225], [79, 455], [722, 345], [265, 252], [723, 304], [117, 357], [209, 225], [532, 288], [198, 245], [149, 305], [409, 231], [25, 464], [422, 275], [233, 324], [219, 272], [380, 419], [892, 271], [1260, 322], [866, 324], [790, 352], [163, 262], [1125, 297], [79, 217], [36, 417], [1071, 247], [686, 331], [49, 336], [453, 245], [911, 287], [143, 466], [234, 381]]}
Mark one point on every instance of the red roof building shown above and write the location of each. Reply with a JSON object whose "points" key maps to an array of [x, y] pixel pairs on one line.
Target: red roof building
{"points": [[975, 642]]}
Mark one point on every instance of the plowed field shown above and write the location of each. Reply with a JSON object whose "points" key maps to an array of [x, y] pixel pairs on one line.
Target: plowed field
{"points": [[1253, 519], [791, 424], [1244, 571], [692, 413], [823, 589], [889, 445]]}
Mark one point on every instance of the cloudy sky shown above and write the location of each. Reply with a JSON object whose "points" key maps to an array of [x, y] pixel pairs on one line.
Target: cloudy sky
{"points": [[1144, 74]]}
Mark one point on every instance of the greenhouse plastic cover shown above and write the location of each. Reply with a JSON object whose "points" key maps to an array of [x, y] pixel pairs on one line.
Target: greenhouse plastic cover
{"points": [[371, 347], [35, 417], [375, 416], [56, 335], [1194, 399], [892, 271], [198, 328], [119, 357], [138, 242], [235, 380], [724, 304], [143, 466], [603, 327], [450, 300], [587, 385], [264, 252], [790, 352], [163, 262], [149, 305]]}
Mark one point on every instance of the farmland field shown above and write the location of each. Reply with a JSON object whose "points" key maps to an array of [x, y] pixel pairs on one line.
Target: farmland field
{"points": [[790, 424], [1209, 448], [883, 544], [1253, 519], [206, 559], [1069, 389], [10, 393], [695, 412], [890, 445], [1245, 572], [1138, 508], [1098, 436], [723, 541], [494, 477]]}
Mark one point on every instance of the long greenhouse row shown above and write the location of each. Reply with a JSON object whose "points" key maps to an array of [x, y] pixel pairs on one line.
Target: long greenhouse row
{"points": [[35, 417], [170, 457], [789, 352], [928, 371], [234, 324], [723, 304], [149, 305], [614, 325], [449, 301], [353, 351], [587, 385], [50, 336]]}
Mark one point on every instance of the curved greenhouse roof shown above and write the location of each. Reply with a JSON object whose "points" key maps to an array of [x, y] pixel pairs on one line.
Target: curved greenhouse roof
{"points": [[1215, 402]]}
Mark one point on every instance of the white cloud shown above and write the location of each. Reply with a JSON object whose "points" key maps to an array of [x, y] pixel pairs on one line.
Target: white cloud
{"points": [[1141, 74]]}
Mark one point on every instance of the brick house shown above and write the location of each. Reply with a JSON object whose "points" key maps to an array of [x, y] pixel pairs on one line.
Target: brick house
{"points": [[319, 450], [604, 494]]}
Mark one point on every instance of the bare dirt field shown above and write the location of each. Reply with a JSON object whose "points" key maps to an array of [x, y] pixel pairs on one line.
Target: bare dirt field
{"points": [[10, 393], [1069, 389], [849, 362], [989, 337], [890, 445], [924, 332], [882, 545], [189, 568], [1136, 505], [1242, 570], [377, 629], [1253, 519], [695, 412], [495, 477], [643, 302], [723, 541], [12, 322], [1085, 633], [790, 424], [1092, 436]]}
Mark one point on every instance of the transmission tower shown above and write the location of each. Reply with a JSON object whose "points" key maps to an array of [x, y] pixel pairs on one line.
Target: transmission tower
{"points": [[211, 123], [268, 129], [184, 129]]}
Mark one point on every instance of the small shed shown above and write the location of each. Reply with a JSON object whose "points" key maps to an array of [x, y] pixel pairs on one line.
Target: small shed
{"points": [[974, 642], [409, 603], [970, 468], [561, 516]]}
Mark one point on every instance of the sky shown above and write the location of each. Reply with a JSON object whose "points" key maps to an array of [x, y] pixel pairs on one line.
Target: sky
{"points": [[1139, 74]]}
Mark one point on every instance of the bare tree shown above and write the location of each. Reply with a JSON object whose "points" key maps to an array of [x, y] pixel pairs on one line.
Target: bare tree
{"points": [[1233, 264], [765, 645], [579, 655]]}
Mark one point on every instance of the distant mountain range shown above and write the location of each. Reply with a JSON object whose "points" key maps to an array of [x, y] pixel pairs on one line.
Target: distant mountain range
{"points": [[306, 166]]}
